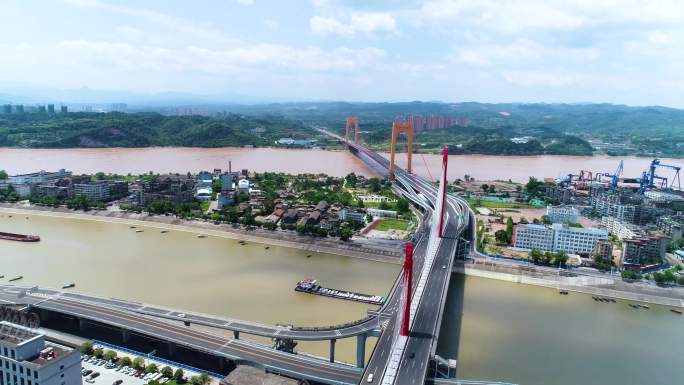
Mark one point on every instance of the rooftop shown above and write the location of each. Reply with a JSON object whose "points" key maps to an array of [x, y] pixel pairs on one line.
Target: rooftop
{"points": [[14, 335]]}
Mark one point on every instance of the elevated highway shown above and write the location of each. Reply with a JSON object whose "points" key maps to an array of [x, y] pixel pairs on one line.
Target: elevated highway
{"points": [[433, 261]]}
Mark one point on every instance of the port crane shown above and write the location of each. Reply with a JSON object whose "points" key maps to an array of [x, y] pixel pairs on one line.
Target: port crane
{"points": [[649, 177], [614, 178]]}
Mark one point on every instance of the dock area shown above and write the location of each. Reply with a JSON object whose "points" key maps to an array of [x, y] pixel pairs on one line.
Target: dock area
{"points": [[310, 286]]}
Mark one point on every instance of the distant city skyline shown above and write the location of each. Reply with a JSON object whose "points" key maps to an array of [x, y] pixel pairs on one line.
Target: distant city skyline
{"points": [[569, 51]]}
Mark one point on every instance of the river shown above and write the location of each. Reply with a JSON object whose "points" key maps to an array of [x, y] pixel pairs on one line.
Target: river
{"points": [[295, 161], [531, 335], [213, 275], [498, 330]]}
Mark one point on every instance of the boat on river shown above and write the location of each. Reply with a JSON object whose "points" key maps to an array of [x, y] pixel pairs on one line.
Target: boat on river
{"points": [[310, 285], [69, 286], [19, 237]]}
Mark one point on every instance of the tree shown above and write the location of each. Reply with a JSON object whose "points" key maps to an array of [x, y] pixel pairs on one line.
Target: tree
{"points": [[125, 361], [402, 205], [346, 233], [523, 220], [3, 175], [384, 205], [351, 180], [138, 363], [509, 230], [99, 352], [374, 185], [110, 355], [546, 220], [501, 236], [561, 258], [151, 368], [178, 375], [659, 277], [167, 371], [680, 280], [492, 189], [87, 348], [670, 276], [204, 379], [536, 256], [485, 187]]}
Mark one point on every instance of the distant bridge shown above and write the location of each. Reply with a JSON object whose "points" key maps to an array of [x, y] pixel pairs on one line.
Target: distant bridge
{"points": [[446, 232]]}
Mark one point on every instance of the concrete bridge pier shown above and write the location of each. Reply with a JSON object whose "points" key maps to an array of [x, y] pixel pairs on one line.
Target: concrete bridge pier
{"points": [[82, 325], [125, 335], [360, 350], [332, 350], [236, 334], [171, 349]]}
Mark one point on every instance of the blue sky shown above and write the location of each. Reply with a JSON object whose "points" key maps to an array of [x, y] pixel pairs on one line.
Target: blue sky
{"points": [[618, 51]]}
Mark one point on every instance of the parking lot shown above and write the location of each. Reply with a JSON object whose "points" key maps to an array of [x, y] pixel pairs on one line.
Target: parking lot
{"points": [[109, 376]]}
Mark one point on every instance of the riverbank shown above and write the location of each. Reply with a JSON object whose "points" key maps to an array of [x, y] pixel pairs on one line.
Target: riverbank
{"points": [[587, 284], [137, 161], [275, 238]]}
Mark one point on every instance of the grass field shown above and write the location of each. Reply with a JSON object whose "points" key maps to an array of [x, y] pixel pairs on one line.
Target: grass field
{"points": [[391, 224]]}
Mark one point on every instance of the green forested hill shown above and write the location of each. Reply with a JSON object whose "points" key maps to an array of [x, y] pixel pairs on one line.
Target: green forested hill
{"points": [[143, 130]]}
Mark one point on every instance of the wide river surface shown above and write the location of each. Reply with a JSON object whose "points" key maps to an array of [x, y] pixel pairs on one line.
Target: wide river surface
{"points": [[335, 163], [497, 330]]}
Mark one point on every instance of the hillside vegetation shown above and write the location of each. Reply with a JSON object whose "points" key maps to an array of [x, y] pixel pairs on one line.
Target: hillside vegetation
{"points": [[144, 130]]}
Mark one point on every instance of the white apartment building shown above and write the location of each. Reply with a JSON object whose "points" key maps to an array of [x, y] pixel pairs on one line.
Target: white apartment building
{"points": [[374, 198], [40, 177], [622, 230], [98, 191], [557, 237], [576, 240], [532, 236], [377, 213], [562, 214], [27, 359]]}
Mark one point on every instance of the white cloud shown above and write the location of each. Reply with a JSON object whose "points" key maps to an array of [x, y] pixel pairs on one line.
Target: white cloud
{"points": [[128, 32], [107, 58], [358, 23], [177, 24], [246, 2], [540, 78]]}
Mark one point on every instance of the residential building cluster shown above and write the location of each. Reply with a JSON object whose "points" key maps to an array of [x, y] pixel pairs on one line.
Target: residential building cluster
{"points": [[62, 185]]}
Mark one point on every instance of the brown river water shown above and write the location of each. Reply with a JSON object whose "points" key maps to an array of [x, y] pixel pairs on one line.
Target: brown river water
{"points": [[497, 330], [336, 163]]}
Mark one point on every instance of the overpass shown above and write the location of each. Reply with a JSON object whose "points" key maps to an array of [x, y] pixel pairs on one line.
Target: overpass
{"points": [[394, 360], [405, 359]]}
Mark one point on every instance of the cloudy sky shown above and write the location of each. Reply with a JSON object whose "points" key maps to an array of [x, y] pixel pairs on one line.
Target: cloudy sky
{"points": [[619, 51]]}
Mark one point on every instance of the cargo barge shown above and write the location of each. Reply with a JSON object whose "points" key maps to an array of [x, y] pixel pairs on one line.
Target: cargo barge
{"points": [[19, 237], [310, 286]]}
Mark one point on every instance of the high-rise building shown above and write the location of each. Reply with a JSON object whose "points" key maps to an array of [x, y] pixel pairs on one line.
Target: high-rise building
{"points": [[643, 251], [63, 109], [41, 109], [27, 358], [51, 108], [19, 108], [7, 109]]}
